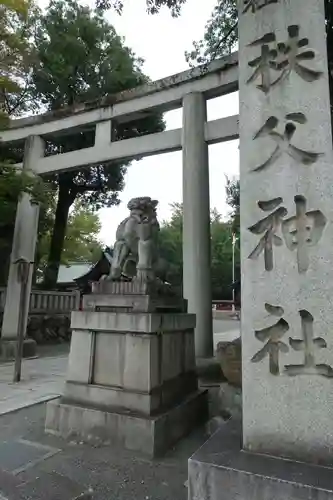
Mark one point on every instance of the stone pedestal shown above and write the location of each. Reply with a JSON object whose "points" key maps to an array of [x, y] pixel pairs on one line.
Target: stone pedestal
{"points": [[131, 376], [221, 470]]}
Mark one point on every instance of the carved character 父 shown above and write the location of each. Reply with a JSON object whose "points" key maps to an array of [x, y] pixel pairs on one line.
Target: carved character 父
{"points": [[283, 141]]}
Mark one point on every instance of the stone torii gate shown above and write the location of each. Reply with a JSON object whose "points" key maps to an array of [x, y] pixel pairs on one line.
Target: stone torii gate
{"points": [[189, 90]]}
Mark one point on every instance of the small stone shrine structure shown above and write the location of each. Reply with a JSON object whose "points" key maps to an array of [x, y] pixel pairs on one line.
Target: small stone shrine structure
{"points": [[287, 266], [131, 378]]}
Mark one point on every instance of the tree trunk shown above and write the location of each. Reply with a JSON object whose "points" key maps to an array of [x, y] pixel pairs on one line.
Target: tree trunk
{"points": [[66, 198], [5, 252], [6, 241]]}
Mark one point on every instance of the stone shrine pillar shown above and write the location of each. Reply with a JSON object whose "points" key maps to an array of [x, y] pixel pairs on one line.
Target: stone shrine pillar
{"points": [[24, 245], [286, 165], [196, 222]]}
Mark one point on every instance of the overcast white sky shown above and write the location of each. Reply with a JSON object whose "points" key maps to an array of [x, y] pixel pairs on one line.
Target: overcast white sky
{"points": [[162, 41]]}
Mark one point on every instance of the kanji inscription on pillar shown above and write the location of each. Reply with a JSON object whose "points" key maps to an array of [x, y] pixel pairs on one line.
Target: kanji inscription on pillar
{"points": [[302, 231], [286, 220], [268, 227], [283, 139], [256, 5], [309, 345], [274, 344], [278, 60], [272, 335]]}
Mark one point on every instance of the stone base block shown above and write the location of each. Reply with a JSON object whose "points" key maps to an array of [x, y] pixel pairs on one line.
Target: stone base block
{"points": [[221, 470], [151, 436], [8, 349]]}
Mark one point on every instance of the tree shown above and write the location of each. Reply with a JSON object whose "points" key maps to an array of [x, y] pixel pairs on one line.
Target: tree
{"points": [[153, 6], [221, 257], [221, 34], [81, 242], [233, 200], [171, 243], [171, 248], [16, 55], [81, 58]]}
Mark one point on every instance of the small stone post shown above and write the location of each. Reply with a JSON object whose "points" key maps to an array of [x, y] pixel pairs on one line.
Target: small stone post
{"points": [[24, 244]]}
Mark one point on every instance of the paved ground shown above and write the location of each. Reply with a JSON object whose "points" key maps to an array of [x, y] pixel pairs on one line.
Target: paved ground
{"points": [[34, 466], [226, 329], [42, 379]]}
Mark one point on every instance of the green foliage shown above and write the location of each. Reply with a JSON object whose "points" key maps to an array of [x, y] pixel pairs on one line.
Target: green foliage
{"points": [[81, 242], [220, 34], [81, 58], [12, 184], [233, 200], [153, 6], [171, 242], [221, 250], [16, 55]]}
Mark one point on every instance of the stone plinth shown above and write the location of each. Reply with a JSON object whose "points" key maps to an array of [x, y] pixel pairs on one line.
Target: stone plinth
{"points": [[131, 377], [221, 470]]}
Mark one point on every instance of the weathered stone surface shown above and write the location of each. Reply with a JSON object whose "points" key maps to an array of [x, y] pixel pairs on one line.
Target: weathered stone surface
{"points": [[287, 230], [187, 77], [151, 436], [127, 322], [24, 243], [229, 355], [133, 296], [80, 357], [221, 470], [196, 221], [130, 375]]}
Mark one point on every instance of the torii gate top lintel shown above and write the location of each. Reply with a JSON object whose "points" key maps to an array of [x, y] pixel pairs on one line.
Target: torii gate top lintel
{"points": [[189, 90], [163, 95]]}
